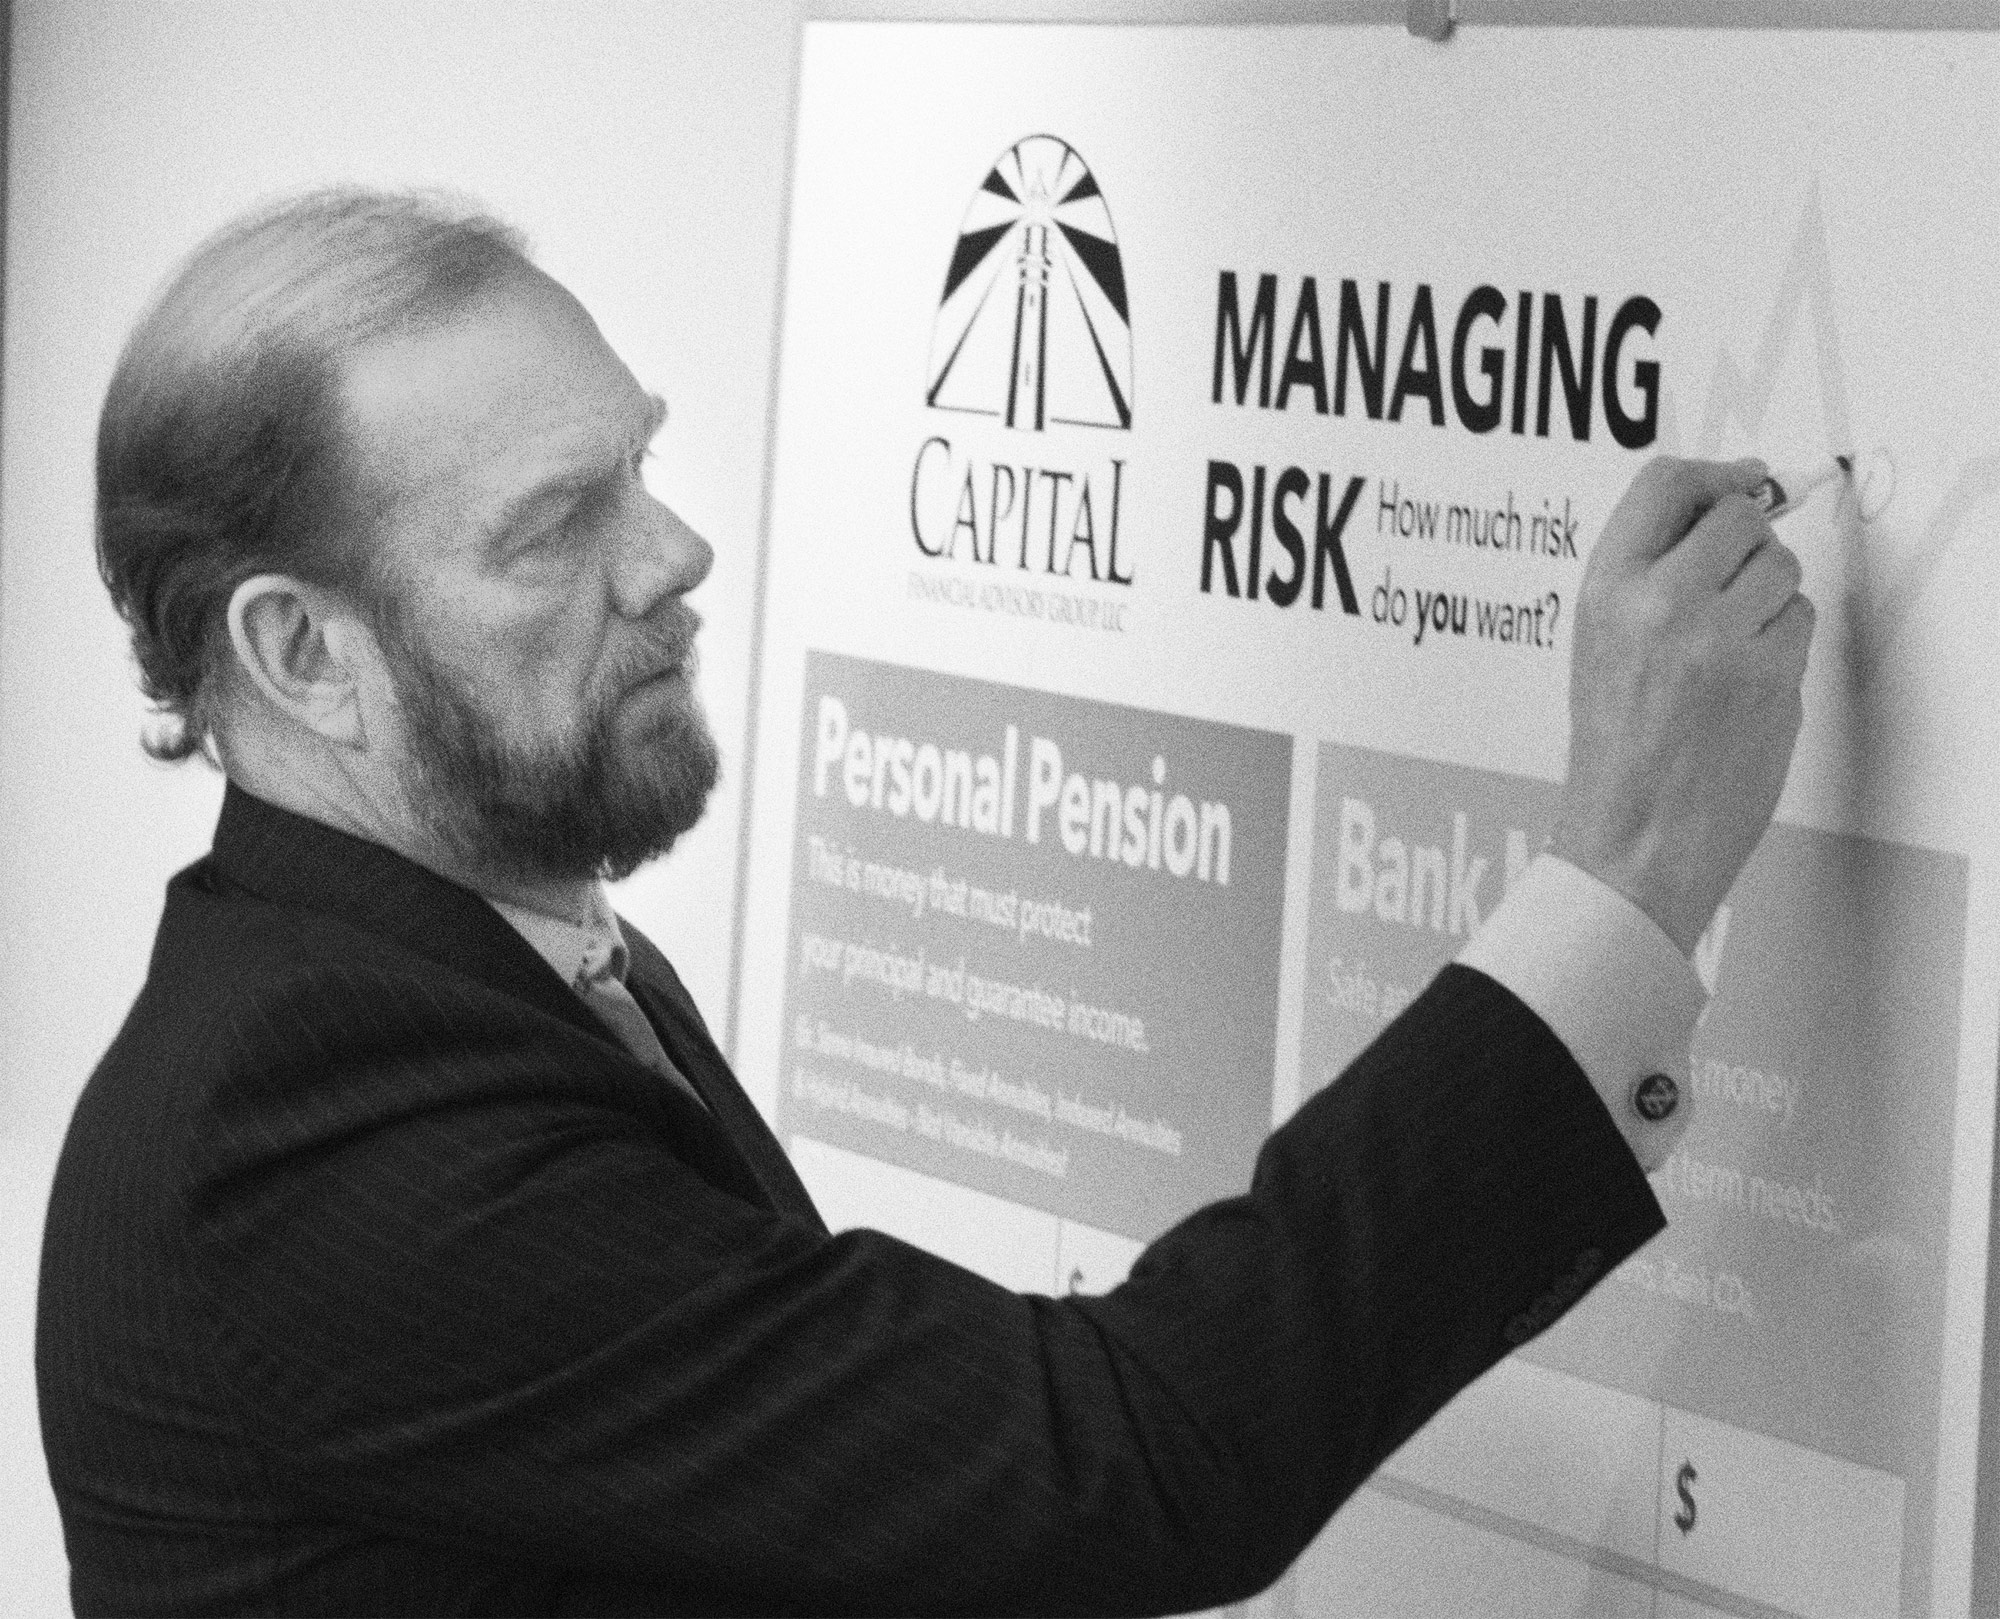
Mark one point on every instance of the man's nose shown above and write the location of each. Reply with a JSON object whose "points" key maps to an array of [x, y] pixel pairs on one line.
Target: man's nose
{"points": [[658, 556]]}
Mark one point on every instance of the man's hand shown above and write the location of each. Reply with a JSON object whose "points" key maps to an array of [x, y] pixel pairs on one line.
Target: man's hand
{"points": [[1691, 640]]}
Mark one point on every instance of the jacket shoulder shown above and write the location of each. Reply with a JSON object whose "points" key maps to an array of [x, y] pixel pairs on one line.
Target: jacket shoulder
{"points": [[263, 1026]]}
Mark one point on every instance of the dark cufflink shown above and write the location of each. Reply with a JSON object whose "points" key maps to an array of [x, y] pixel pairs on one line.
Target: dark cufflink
{"points": [[1655, 1097]]}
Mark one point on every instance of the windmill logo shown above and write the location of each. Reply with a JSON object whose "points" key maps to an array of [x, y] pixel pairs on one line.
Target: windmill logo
{"points": [[1033, 326]]}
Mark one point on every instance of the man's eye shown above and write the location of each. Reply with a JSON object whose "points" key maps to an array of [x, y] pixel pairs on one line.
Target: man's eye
{"points": [[548, 534]]}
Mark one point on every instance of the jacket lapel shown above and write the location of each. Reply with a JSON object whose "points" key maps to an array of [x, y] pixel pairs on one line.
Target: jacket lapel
{"points": [[659, 990]]}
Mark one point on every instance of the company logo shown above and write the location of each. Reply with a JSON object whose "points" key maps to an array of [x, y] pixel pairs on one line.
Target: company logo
{"points": [[1033, 326]]}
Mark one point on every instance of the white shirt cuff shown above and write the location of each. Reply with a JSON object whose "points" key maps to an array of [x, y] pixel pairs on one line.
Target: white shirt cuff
{"points": [[1611, 985]]}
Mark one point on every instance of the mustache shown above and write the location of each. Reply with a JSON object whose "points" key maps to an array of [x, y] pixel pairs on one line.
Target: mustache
{"points": [[662, 644]]}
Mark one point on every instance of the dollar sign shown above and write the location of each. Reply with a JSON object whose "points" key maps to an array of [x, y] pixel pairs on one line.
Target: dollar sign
{"points": [[1685, 1516]]}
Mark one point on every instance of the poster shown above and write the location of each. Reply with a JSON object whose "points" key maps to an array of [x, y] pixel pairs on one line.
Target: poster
{"points": [[1189, 444]]}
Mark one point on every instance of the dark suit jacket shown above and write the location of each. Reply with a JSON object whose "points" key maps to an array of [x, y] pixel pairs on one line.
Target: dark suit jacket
{"points": [[379, 1278]]}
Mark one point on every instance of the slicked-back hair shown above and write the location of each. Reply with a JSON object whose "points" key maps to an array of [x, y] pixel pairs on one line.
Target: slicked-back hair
{"points": [[221, 452]]}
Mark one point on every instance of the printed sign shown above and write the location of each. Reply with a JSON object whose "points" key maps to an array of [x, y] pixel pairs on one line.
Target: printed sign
{"points": [[1190, 444]]}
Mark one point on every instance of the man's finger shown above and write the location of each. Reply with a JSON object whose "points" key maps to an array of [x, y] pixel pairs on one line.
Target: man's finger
{"points": [[1790, 632], [1665, 501], [1717, 548], [1766, 582]]}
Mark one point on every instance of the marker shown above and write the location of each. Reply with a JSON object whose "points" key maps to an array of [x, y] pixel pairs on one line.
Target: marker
{"points": [[1783, 492]]}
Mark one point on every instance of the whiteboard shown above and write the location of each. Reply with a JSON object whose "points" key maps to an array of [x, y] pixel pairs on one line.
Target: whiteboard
{"points": [[1188, 441]]}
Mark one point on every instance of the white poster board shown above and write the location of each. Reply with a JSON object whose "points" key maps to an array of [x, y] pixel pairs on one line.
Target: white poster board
{"points": [[1188, 444]]}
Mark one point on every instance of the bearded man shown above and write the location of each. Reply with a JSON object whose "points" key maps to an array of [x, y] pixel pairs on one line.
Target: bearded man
{"points": [[413, 1248]]}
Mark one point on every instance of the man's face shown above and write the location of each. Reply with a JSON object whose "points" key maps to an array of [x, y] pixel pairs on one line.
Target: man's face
{"points": [[539, 649]]}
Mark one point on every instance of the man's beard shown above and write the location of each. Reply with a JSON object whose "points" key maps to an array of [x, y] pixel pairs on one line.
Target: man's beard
{"points": [[584, 805]]}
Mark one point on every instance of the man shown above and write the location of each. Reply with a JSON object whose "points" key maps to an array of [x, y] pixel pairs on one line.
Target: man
{"points": [[413, 1248]]}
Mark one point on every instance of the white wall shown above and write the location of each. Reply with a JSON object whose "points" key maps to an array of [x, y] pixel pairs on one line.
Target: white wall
{"points": [[641, 143]]}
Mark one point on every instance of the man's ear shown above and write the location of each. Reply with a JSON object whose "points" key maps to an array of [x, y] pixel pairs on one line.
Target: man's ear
{"points": [[302, 649]]}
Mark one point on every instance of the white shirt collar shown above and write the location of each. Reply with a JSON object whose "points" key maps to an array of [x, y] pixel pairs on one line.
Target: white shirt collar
{"points": [[580, 952]]}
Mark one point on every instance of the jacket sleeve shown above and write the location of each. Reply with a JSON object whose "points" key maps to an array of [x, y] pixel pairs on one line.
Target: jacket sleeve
{"points": [[475, 1302]]}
